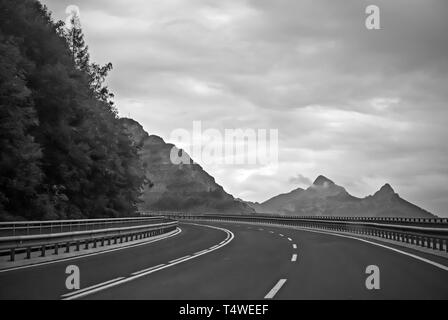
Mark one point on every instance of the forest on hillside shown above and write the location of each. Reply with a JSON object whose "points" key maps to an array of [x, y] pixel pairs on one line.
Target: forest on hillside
{"points": [[64, 153]]}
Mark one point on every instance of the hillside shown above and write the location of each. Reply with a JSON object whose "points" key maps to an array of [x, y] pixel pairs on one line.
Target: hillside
{"points": [[182, 187]]}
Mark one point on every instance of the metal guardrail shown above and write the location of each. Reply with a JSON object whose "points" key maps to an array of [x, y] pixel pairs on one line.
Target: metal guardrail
{"points": [[402, 220], [414, 232], [107, 231], [17, 228]]}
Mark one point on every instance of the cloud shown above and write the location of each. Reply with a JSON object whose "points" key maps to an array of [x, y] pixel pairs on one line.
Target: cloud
{"points": [[363, 107], [300, 180]]}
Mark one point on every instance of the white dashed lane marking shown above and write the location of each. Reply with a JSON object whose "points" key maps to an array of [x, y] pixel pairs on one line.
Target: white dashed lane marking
{"points": [[294, 257], [275, 289]]}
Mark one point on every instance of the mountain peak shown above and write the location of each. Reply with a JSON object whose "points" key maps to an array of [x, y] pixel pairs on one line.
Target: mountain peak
{"points": [[321, 180], [385, 190]]}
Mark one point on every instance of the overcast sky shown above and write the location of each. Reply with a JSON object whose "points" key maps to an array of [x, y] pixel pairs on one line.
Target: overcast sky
{"points": [[360, 107]]}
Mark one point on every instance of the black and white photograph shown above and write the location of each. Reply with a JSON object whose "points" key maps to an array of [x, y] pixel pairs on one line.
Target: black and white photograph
{"points": [[223, 156]]}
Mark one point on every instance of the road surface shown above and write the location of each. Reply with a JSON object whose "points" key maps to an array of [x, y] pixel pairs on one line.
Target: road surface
{"points": [[237, 261]]}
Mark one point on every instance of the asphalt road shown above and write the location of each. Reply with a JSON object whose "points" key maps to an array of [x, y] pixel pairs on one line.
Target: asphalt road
{"points": [[249, 262]]}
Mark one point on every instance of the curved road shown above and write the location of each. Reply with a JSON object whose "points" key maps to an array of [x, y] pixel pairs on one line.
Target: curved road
{"points": [[237, 261]]}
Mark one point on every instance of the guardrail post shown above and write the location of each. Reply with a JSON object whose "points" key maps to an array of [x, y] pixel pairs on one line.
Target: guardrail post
{"points": [[42, 252], [94, 243], [67, 247], [86, 244], [28, 253], [12, 254], [56, 248], [77, 245]]}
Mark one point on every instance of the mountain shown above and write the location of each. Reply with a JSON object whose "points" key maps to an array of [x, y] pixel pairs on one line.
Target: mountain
{"points": [[178, 187], [276, 202], [325, 198]]}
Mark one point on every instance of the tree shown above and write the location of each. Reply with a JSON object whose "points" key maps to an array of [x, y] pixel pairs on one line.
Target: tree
{"points": [[64, 151], [77, 45], [80, 54], [20, 174]]}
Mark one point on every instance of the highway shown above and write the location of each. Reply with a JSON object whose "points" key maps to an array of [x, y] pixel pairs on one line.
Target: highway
{"points": [[210, 260]]}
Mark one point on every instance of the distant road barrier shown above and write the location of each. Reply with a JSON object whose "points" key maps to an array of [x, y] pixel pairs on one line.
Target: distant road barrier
{"points": [[431, 233], [61, 235]]}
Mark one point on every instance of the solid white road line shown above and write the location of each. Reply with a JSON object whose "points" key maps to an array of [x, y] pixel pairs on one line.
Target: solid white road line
{"points": [[178, 259], [275, 289], [147, 269], [201, 251], [178, 230], [433, 263], [91, 287], [294, 246], [98, 288], [438, 265], [294, 257]]}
